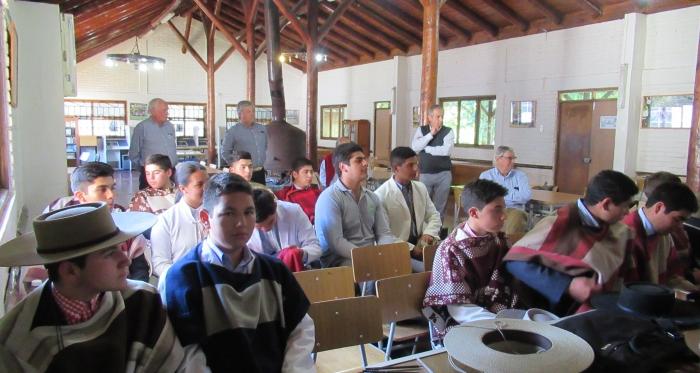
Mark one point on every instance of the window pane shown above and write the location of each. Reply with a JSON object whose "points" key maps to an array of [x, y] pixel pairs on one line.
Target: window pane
{"points": [[467, 122], [576, 96], [450, 117], [667, 111], [85, 127], [610, 94], [487, 122], [325, 123]]}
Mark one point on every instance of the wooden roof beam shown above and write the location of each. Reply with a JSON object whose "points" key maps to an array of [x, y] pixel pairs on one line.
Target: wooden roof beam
{"points": [[398, 17], [508, 14], [388, 27], [343, 31], [473, 17], [359, 49], [593, 7], [294, 21], [215, 20], [334, 17], [187, 44], [444, 21], [188, 27], [379, 37], [548, 11]]}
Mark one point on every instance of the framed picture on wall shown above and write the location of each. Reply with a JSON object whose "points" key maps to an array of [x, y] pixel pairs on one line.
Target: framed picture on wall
{"points": [[522, 114], [138, 111], [416, 116]]}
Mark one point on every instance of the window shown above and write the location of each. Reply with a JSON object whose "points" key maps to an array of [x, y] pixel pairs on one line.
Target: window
{"points": [[382, 105], [188, 119], [98, 118], [522, 113], [667, 111], [472, 118], [331, 121], [590, 94], [263, 115]]}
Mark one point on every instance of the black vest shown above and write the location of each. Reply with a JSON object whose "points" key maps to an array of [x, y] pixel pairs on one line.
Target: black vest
{"points": [[432, 164]]}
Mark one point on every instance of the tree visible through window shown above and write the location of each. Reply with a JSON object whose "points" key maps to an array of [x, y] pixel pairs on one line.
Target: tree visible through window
{"points": [[472, 118], [331, 121]]}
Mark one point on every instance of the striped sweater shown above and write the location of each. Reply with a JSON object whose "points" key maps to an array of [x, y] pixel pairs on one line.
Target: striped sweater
{"points": [[130, 332], [242, 321]]}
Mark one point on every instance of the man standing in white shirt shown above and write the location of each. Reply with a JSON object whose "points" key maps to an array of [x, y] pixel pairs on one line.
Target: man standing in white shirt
{"points": [[434, 143]]}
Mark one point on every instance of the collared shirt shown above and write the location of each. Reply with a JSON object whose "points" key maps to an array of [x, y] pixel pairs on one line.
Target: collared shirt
{"points": [[517, 184], [212, 254], [586, 216], [76, 311], [342, 223], [177, 230], [149, 138], [407, 192], [251, 139], [648, 227]]}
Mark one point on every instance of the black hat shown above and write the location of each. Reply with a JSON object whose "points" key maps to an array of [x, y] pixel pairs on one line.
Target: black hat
{"points": [[649, 301]]}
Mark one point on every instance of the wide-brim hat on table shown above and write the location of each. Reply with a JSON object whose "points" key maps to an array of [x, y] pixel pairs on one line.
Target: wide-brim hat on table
{"points": [[72, 232], [648, 301]]}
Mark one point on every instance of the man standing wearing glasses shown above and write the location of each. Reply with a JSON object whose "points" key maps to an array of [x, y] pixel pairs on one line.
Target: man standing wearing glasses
{"points": [[247, 136], [518, 189]]}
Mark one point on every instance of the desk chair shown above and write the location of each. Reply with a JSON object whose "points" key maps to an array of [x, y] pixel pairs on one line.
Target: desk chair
{"points": [[372, 263], [346, 322], [429, 256], [401, 299], [326, 284]]}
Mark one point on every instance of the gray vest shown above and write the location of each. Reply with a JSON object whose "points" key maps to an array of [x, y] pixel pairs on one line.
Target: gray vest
{"points": [[432, 164]]}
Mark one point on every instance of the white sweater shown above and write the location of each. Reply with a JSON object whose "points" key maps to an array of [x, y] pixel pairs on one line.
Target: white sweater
{"points": [[177, 230]]}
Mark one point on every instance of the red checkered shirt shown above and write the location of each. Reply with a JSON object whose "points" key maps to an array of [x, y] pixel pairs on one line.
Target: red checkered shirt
{"points": [[76, 311]]}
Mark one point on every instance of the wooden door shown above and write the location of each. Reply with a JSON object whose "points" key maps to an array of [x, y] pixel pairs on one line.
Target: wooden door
{"points": [[602, 139], [573, 146], [382, 135]]}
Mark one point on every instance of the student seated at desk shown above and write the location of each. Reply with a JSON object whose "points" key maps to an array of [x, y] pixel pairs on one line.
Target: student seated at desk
{"points": [[301, 191], [160, 193], [567, 258], [283, 230], [652, 254], [242, 165], [244, 309], [469, 281]]}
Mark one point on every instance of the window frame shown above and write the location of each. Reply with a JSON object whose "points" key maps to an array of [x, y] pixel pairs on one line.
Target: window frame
{"points": [[184, 119], [477, 117], [343, 108], [647, 127], [7, 187], [92, 117]]}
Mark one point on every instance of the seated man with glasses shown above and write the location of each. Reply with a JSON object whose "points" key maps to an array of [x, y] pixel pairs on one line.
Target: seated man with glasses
{"points": [[518, 186]]}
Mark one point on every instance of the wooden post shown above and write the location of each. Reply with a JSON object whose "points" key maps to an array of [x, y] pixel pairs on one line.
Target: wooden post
{"points": [[693, 169], [312, 80], [250, 58], [428, 85], [211, 96]]}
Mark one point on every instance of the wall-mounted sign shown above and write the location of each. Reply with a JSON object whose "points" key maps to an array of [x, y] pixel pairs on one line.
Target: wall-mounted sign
{"points": [[608, 122]]}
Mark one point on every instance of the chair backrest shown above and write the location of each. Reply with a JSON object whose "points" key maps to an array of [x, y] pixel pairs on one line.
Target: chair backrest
{"points": [[346, 322], [401, 297], [326, 284], [381, 261], [429, 256]]}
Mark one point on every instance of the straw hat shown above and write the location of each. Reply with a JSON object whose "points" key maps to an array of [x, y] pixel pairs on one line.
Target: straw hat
{"points": [[72, 232]]}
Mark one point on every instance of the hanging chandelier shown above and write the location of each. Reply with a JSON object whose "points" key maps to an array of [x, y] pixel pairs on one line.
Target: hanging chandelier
{"points": [[140, 61], [303, 56]]}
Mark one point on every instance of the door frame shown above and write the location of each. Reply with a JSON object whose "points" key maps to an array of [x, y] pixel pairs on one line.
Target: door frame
{"points": [[558, 115], [374, 122]]}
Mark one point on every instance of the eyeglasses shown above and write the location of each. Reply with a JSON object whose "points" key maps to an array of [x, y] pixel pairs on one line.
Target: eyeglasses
{"points": [[509, 158]]}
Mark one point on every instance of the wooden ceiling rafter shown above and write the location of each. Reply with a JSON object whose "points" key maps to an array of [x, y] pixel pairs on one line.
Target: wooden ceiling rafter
{"points": [[399, 17], [387, 26], [219, 25], [508, 14], [548, 11], [333, 19], [446, 23], [359, 39], [356, 23], [473, 17], [592, 7], [187, 45], [293, 20]]}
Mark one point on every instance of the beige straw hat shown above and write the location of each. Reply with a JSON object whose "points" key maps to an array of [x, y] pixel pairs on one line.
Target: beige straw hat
{"points": [[72, 232]]}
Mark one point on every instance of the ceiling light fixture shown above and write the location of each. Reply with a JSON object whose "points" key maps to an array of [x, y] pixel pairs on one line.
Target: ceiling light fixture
{"points": [[140, 61], [302, 56]]}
